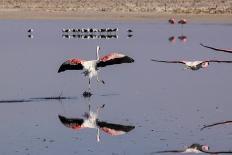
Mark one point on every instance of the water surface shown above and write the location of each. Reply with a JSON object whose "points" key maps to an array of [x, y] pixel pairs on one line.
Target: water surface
{"points": [[167, 104]]}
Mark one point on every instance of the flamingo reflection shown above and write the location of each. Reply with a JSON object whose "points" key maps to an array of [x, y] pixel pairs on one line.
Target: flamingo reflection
{"points": [[193, 65], [90, 120], [196, 148]]}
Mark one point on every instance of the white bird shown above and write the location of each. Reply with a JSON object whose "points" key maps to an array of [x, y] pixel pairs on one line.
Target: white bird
{"points": [[194, 65], [91, 120], [91, 67]]}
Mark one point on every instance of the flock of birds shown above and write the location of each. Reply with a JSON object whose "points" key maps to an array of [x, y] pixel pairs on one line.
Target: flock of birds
{"points": [[196, 65], [90, 69], [90, 33]]}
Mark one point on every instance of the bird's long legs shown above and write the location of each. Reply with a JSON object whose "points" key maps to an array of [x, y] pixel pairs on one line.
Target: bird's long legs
{"points": [[100, 80]]}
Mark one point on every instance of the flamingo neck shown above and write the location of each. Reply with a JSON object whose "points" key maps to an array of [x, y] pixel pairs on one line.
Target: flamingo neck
{"points": [[98, 48]]}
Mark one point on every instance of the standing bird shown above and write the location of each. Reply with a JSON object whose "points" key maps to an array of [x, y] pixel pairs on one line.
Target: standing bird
{"points": [[217, 49], [172, 21], [193, 65], [215, 124], [91, 120], [91, 67], [194, 148], [182, 21]]}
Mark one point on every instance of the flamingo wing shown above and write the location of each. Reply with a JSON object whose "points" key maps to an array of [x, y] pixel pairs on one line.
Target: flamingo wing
{"points": [[217, 49], [114, 129], [182, 62], [220, 61], [215, 124], [170, 151], [114, 58], [217, 152], [71, 64], [73, 123]]}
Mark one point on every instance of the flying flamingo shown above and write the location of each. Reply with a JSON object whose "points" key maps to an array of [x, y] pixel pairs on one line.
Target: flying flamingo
{"points": [[215, 124], [91, 120], [193, 65], [91, 67], [217, 49]]}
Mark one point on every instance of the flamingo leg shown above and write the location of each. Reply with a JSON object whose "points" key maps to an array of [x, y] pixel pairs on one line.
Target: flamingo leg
{"points": [[100, 80]]}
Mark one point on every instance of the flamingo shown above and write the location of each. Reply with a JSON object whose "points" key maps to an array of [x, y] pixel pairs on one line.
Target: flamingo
{"points": [[194, 148], [91, 120], [91, 67], [172, 21], [215, 124], [182, 21], [217, 49], [193, 65]]}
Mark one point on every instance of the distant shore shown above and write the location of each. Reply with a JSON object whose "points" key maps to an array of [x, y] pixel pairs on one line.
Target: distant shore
{"points": [[205, 10], [59, 15]]}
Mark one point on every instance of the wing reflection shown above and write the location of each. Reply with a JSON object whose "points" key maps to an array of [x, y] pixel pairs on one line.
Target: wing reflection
{"points": [[90, 120], [196, 148]]}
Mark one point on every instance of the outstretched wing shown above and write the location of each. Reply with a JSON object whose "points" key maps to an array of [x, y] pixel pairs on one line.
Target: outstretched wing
{"points": [[219, 123], [114, 129], [170, 151], [217, 49], [71, 64], [114, 58], [73, 123], [217, 152], [182, 62], [220, 61]]}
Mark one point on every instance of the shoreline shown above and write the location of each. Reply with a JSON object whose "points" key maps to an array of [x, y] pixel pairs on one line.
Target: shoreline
{"points": [[14, 14]]}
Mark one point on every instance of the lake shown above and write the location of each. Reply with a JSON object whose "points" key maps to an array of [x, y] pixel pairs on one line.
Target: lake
{"points": [[165, 103]]}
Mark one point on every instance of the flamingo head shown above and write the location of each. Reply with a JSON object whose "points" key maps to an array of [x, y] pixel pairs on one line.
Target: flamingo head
{"points": [[205, 147], [205, 64]]}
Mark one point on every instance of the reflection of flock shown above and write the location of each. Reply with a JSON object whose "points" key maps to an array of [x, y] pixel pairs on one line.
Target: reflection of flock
{"points": [[90, 33]]}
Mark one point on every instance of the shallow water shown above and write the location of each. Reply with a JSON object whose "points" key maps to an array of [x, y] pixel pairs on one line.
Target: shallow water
{"points": [[167, 104]]}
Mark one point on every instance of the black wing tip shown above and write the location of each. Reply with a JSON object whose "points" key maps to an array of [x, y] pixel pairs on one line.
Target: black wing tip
{"points": [[129, 59], [62, 68], [62, 118]]}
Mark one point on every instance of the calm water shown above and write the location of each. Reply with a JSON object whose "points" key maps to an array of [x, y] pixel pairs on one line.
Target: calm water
{"points": [[167, 104]]}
